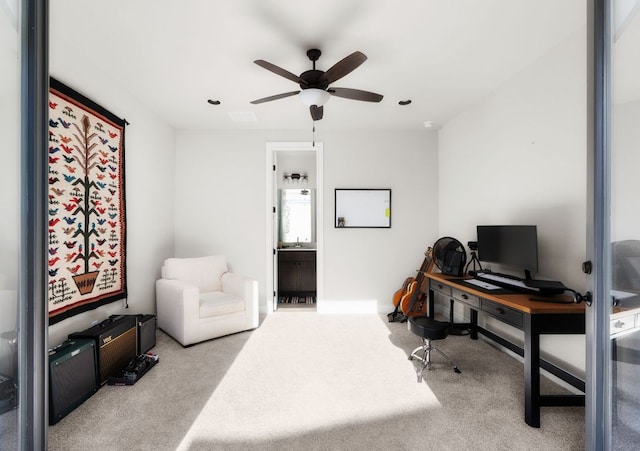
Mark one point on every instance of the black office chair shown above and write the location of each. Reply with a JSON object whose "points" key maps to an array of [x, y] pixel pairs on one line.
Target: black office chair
{"points": [[428, 329]]}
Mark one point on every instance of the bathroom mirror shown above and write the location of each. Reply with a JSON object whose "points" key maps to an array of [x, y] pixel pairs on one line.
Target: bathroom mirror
{"points": [[297, 213], [363, 208]]}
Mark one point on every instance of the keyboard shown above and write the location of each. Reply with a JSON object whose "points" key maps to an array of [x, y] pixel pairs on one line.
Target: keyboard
{"points": [[482, 284], [504, 280]]}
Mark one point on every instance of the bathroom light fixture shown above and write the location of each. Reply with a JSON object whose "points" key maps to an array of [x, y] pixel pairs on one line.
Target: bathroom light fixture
{"points": [[295, 177], [314, 96]]}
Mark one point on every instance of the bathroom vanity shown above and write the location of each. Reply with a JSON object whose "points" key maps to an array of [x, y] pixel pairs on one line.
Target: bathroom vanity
{"points": [[296, 272]]}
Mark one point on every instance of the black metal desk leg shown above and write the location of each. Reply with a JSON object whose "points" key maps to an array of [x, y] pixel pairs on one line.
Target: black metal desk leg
{"points": [[474, 324], [531, 372], [431, 302]]}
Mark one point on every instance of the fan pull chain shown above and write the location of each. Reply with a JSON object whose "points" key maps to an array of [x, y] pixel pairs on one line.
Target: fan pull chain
{"points": [[313, 144]]}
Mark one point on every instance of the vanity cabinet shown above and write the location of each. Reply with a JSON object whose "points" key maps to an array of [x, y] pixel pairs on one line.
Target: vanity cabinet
{"points": [[297, 272]]}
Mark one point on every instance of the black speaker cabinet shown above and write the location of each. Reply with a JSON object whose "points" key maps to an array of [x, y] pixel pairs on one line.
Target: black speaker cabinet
{"points": [[146, 331], [116, 344], [72, 376]]}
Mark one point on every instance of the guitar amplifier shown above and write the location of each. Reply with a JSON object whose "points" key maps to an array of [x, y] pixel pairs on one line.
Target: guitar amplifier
{"points": [[146, 332], [72, 376], [116, 341]]}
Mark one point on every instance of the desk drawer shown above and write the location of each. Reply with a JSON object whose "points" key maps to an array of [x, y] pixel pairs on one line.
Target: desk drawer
{"points": [[621, 324], [466, 298], [506, 314], [441, 288]]}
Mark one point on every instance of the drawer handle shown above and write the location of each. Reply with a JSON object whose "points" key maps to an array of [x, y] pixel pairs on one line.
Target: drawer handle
{"points": [[464, 296], [440, 286], [618, 324], [501, 310]]}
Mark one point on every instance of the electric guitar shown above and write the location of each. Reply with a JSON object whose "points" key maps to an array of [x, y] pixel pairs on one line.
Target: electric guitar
{"points": [[414, 301]]}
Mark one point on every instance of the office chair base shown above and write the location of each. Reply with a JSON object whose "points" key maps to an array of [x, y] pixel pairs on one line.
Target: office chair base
{"points": [[425, 359]]}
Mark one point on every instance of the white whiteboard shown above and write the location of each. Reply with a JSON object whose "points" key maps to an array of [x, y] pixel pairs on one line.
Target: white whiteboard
{"points": [[363, 208]]}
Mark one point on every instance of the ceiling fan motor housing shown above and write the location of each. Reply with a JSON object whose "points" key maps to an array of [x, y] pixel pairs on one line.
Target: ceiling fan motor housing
{"points": [[314, 79]]}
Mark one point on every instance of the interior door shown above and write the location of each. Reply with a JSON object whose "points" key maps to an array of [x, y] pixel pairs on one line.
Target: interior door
{"points": [[287, 158], [613, 321], [276, 227]]}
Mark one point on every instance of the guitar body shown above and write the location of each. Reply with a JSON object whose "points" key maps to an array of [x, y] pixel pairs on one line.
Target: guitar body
{"points": [[398, 295], [414, 301]]}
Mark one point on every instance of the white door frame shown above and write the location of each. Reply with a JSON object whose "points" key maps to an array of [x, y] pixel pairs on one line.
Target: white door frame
{"points": [[272, 148]]}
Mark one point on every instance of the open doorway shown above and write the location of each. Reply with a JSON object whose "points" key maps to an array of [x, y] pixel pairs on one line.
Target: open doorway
{"points": [[294, 226]]}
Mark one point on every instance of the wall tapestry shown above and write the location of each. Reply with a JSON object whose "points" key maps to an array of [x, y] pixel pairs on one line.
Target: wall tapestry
{"points": [[86, 205]]}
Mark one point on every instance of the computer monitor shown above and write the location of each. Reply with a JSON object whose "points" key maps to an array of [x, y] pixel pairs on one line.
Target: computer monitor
{"points": [[511, 245]]}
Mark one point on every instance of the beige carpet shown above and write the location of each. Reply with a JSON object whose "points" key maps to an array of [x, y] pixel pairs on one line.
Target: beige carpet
{"points": [[307, 381]]}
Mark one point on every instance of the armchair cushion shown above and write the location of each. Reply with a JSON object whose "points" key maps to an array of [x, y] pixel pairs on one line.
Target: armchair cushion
{"points": [[215, 303]]}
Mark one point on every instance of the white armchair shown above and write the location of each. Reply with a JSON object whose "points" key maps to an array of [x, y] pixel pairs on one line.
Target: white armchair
{"points": [[198, 299]]}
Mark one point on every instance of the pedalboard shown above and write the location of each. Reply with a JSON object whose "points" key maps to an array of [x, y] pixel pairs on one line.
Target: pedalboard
{"points": [[133, 372]]}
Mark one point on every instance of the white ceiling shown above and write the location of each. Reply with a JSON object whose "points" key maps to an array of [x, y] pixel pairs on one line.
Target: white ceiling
{"points": [[444, 55]]}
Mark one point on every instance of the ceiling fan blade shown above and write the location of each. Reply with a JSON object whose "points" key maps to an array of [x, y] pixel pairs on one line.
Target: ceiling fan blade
{"points": [[316, 112], [355, 94], [280, 71], [276, 97], [344, 67]]}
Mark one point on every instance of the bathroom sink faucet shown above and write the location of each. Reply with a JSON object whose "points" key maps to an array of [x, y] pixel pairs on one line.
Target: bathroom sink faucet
{"points": [[297, 242]]}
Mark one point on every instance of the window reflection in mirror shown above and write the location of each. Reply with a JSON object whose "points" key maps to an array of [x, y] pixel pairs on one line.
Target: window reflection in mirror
{"points": [[296, 216]]}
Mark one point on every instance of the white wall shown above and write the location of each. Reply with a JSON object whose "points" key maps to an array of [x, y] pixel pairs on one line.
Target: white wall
{"points": [[149, 180], [221, 207], [220, 199], [519, 157], [364, 267]]}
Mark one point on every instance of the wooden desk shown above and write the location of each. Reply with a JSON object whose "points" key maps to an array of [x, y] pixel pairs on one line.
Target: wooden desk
{"points": [[534, 318]]}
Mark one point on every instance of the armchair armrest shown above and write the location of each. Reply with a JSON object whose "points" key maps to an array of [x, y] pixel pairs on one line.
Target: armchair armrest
{"points": [[177, 304], [245, 288], [237, 285]]}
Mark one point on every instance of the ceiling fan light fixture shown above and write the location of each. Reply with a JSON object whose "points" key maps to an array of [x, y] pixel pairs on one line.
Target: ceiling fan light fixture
{"points": [[314, 96]]}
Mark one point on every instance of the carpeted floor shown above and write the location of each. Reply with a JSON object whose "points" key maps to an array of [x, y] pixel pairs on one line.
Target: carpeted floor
{"points": [[308, 381]]}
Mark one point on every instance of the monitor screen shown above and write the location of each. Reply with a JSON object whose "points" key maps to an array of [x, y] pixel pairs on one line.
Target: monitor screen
{"points": [[512, 245]]}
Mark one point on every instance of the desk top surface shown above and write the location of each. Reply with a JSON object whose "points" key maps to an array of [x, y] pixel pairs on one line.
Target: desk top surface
{"points": [[521, 302]]}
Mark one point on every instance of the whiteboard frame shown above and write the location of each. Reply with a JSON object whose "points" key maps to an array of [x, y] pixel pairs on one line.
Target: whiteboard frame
{"points": [[362, 208]]}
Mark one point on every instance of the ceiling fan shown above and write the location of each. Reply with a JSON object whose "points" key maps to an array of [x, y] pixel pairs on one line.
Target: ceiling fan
{"points": [[314, 84]]}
